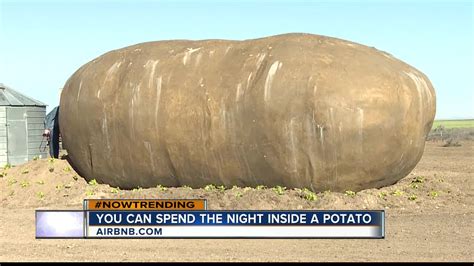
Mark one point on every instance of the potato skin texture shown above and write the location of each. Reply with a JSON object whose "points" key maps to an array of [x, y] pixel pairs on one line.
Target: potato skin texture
{"points": [[296, 110]]}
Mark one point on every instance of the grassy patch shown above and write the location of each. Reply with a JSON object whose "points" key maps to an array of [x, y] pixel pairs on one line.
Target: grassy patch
{"points": [[279, 190], [210, 187], [93, 182], [464, 123], [114, 190], [397, 193], [418, 180], [309, 195], [412, 197], [350, 193], [40, 195], [139, 189], [24, 184], [161, 188], [51, 165]]}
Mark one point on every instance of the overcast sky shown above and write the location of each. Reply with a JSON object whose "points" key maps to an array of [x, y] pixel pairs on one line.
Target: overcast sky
{"points": [[42, 43]]}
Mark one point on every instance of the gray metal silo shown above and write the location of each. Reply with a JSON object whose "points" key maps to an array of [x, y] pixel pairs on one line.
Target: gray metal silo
{"points": [[21, 127]]}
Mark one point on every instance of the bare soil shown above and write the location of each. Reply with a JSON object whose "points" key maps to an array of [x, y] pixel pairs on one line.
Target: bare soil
{"points": [[429, 216]]}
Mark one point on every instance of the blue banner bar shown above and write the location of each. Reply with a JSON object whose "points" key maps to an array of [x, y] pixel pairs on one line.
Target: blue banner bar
{"points": [[226, 218]]}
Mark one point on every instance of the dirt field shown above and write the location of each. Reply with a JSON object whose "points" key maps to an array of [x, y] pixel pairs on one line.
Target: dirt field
{"points": [[429, 217]]}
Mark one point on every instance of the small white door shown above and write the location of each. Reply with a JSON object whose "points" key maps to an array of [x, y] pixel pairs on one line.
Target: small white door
{"points": [[17, 135]]}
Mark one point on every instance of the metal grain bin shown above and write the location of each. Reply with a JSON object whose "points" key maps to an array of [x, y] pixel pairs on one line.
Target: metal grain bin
{"points": [[21, 127]]}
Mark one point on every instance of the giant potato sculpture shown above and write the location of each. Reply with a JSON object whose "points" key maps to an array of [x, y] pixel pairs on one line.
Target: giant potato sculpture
{"points": [[296, 110]]}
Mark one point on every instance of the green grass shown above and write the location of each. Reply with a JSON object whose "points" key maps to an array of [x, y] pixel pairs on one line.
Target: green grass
{"points": [[465, 123], [161, 188], [309, 195], [397, 193], [418, 179], [210, 187], [40, 195], [383, 195], [350, 193], [24, 183], [412, 197], [279, 190]]}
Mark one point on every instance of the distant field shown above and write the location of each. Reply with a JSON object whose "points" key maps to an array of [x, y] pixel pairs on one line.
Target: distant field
{"points": [[465, 123]]}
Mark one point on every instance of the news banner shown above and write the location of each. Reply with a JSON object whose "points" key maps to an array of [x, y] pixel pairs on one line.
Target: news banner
{"points": [[172, 218]]}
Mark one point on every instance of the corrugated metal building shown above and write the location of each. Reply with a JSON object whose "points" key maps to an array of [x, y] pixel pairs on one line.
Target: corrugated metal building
{"points": [[21, 127]]}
